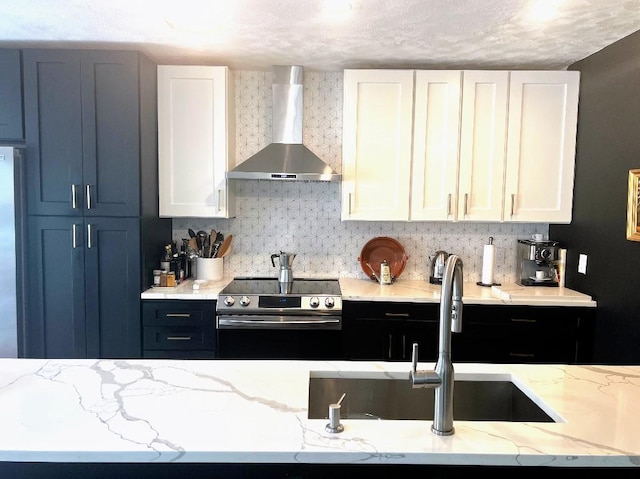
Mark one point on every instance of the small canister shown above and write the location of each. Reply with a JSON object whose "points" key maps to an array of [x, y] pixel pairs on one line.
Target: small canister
{"points": [[385, 272], [156, 277]]}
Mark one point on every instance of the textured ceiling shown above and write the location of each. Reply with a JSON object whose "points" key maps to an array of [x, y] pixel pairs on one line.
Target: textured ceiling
{"points": [[256, 34]]}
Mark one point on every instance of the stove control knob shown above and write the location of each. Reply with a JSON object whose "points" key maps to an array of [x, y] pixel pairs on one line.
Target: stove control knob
{"points": [[329, 302], [314, 302], [229, 301], [244, 301]]}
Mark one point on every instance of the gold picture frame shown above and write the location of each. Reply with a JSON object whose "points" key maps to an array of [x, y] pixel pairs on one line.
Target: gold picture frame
{"points": [[633, 206]]}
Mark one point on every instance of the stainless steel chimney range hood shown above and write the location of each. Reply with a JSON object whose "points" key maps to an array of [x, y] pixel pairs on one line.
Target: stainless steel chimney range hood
{"points": [[286, 158]]}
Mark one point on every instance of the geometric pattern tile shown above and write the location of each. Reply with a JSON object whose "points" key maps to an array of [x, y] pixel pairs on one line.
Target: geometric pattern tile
{"points": [[304, 218]]}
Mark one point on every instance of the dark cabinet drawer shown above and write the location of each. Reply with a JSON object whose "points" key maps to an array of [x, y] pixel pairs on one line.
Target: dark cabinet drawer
{"points": [[179, 329], [176, 317], [386, 331], [177, 313], [179, 338], [181, 354], [524, 334], [390, 310]]}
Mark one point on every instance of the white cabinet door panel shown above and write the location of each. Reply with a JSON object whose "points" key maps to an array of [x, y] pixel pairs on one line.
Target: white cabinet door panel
{"points": [[435, 145], [541, 146], [195, 140], [482, 145], [376, 144]]}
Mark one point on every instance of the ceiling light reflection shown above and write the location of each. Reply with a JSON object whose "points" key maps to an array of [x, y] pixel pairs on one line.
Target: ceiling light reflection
{"points": [[541, 11]]}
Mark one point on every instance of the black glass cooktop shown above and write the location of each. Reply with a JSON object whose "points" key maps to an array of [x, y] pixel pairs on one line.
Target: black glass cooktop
{"points": [[267, 286]]}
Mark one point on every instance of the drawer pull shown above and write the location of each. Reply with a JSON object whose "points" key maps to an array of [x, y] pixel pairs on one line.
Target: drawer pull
{"points": [[397, 315], [522, 355], [178, 338], [523, 320], [178, 315]]}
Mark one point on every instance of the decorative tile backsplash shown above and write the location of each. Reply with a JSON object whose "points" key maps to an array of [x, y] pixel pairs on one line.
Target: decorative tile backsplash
{"points": [[304, 218]]}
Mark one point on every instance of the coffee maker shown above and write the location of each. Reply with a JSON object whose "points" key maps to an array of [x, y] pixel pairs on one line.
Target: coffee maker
{"points": [[536, 262]]}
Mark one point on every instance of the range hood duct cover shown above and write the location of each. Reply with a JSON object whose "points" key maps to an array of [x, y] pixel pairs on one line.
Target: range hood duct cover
{"points": [[286, 158]]}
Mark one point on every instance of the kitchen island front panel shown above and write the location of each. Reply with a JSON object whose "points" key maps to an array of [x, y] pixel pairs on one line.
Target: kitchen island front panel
{"points": [[256, 412]]}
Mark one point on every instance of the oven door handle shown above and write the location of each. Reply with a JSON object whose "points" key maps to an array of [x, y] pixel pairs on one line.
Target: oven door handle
{"points": [[279, 322]]}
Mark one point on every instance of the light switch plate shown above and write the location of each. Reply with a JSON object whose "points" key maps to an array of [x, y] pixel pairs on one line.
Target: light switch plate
{"points": [[582, 264]]}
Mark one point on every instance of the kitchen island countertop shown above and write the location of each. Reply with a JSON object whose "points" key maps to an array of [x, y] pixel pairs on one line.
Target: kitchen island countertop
{"points": [[256, 412]]}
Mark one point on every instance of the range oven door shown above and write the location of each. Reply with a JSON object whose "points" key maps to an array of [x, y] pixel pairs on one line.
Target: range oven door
{"points": [[279, 337]]}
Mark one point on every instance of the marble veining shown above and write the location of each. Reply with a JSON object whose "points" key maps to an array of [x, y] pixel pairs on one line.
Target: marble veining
{"points": [[405, 291], [256, 411]]}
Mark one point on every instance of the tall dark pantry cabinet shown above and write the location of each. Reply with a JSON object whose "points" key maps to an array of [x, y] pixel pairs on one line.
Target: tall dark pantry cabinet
{"points": [[93, 230]]}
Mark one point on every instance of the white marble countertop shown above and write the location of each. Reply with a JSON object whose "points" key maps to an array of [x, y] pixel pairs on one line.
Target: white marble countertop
{"points": [[404, 291], [423, 291], [256, 412]]}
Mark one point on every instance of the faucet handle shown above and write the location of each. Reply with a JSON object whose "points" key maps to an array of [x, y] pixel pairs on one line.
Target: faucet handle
{"points": [[422, 379]]}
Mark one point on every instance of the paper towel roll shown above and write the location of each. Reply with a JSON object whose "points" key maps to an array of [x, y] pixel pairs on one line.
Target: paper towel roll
{"points": [[562, 265], [488, 263]]}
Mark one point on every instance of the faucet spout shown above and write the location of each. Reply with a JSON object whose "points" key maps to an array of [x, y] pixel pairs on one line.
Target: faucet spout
{"points": [[441, 378]]}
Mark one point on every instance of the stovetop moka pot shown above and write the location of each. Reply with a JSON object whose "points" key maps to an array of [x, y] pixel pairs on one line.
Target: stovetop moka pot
{"points": [[285, 274]]}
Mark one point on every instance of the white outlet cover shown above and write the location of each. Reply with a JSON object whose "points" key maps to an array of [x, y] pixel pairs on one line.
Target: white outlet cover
{"points": [[582, 264]]}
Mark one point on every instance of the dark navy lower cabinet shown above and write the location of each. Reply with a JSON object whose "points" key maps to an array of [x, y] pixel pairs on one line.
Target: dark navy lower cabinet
{"points": [[174, 329], [496, 334], [83, 288]]}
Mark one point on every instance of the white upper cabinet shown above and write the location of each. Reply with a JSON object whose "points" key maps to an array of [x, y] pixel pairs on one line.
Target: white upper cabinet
{"points": [[459, 145], [376, 158], [436, 127], [543, 111], [483, 140], [196, 141]]}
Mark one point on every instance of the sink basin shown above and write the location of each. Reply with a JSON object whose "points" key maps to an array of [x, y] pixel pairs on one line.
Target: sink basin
{"points": [[394, 398]]}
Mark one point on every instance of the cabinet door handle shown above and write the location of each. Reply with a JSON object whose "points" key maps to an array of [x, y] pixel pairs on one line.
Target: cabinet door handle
{"points": [[74, 197], [513, 203], [89, 243], [466, 207], [404, 347], [219, 199], [396, 315], [178, 338], [521, 355], [349, 204], [74, 237], [449, 204], [390, 349], [88, 194], [178, 315]]}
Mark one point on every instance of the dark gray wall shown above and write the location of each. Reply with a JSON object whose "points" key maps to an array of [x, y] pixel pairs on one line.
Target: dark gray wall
{"points": [[608, 146]]}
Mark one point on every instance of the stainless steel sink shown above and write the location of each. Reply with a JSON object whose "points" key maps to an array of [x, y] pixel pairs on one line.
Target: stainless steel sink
{"points": [[391, 398]]}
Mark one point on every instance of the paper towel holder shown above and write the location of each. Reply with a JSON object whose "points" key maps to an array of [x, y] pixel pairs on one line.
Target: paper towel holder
{"points": [[488, 285]]}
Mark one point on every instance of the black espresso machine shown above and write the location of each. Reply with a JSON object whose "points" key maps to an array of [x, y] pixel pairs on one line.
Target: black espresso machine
{"points": [[536, 262]]}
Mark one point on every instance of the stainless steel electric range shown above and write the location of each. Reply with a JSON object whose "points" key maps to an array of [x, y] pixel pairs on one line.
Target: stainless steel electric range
{"points": [[255, 320]]}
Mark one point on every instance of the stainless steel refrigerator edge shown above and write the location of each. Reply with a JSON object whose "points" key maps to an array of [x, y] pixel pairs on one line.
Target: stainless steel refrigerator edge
{"points": [[10, 233]]}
